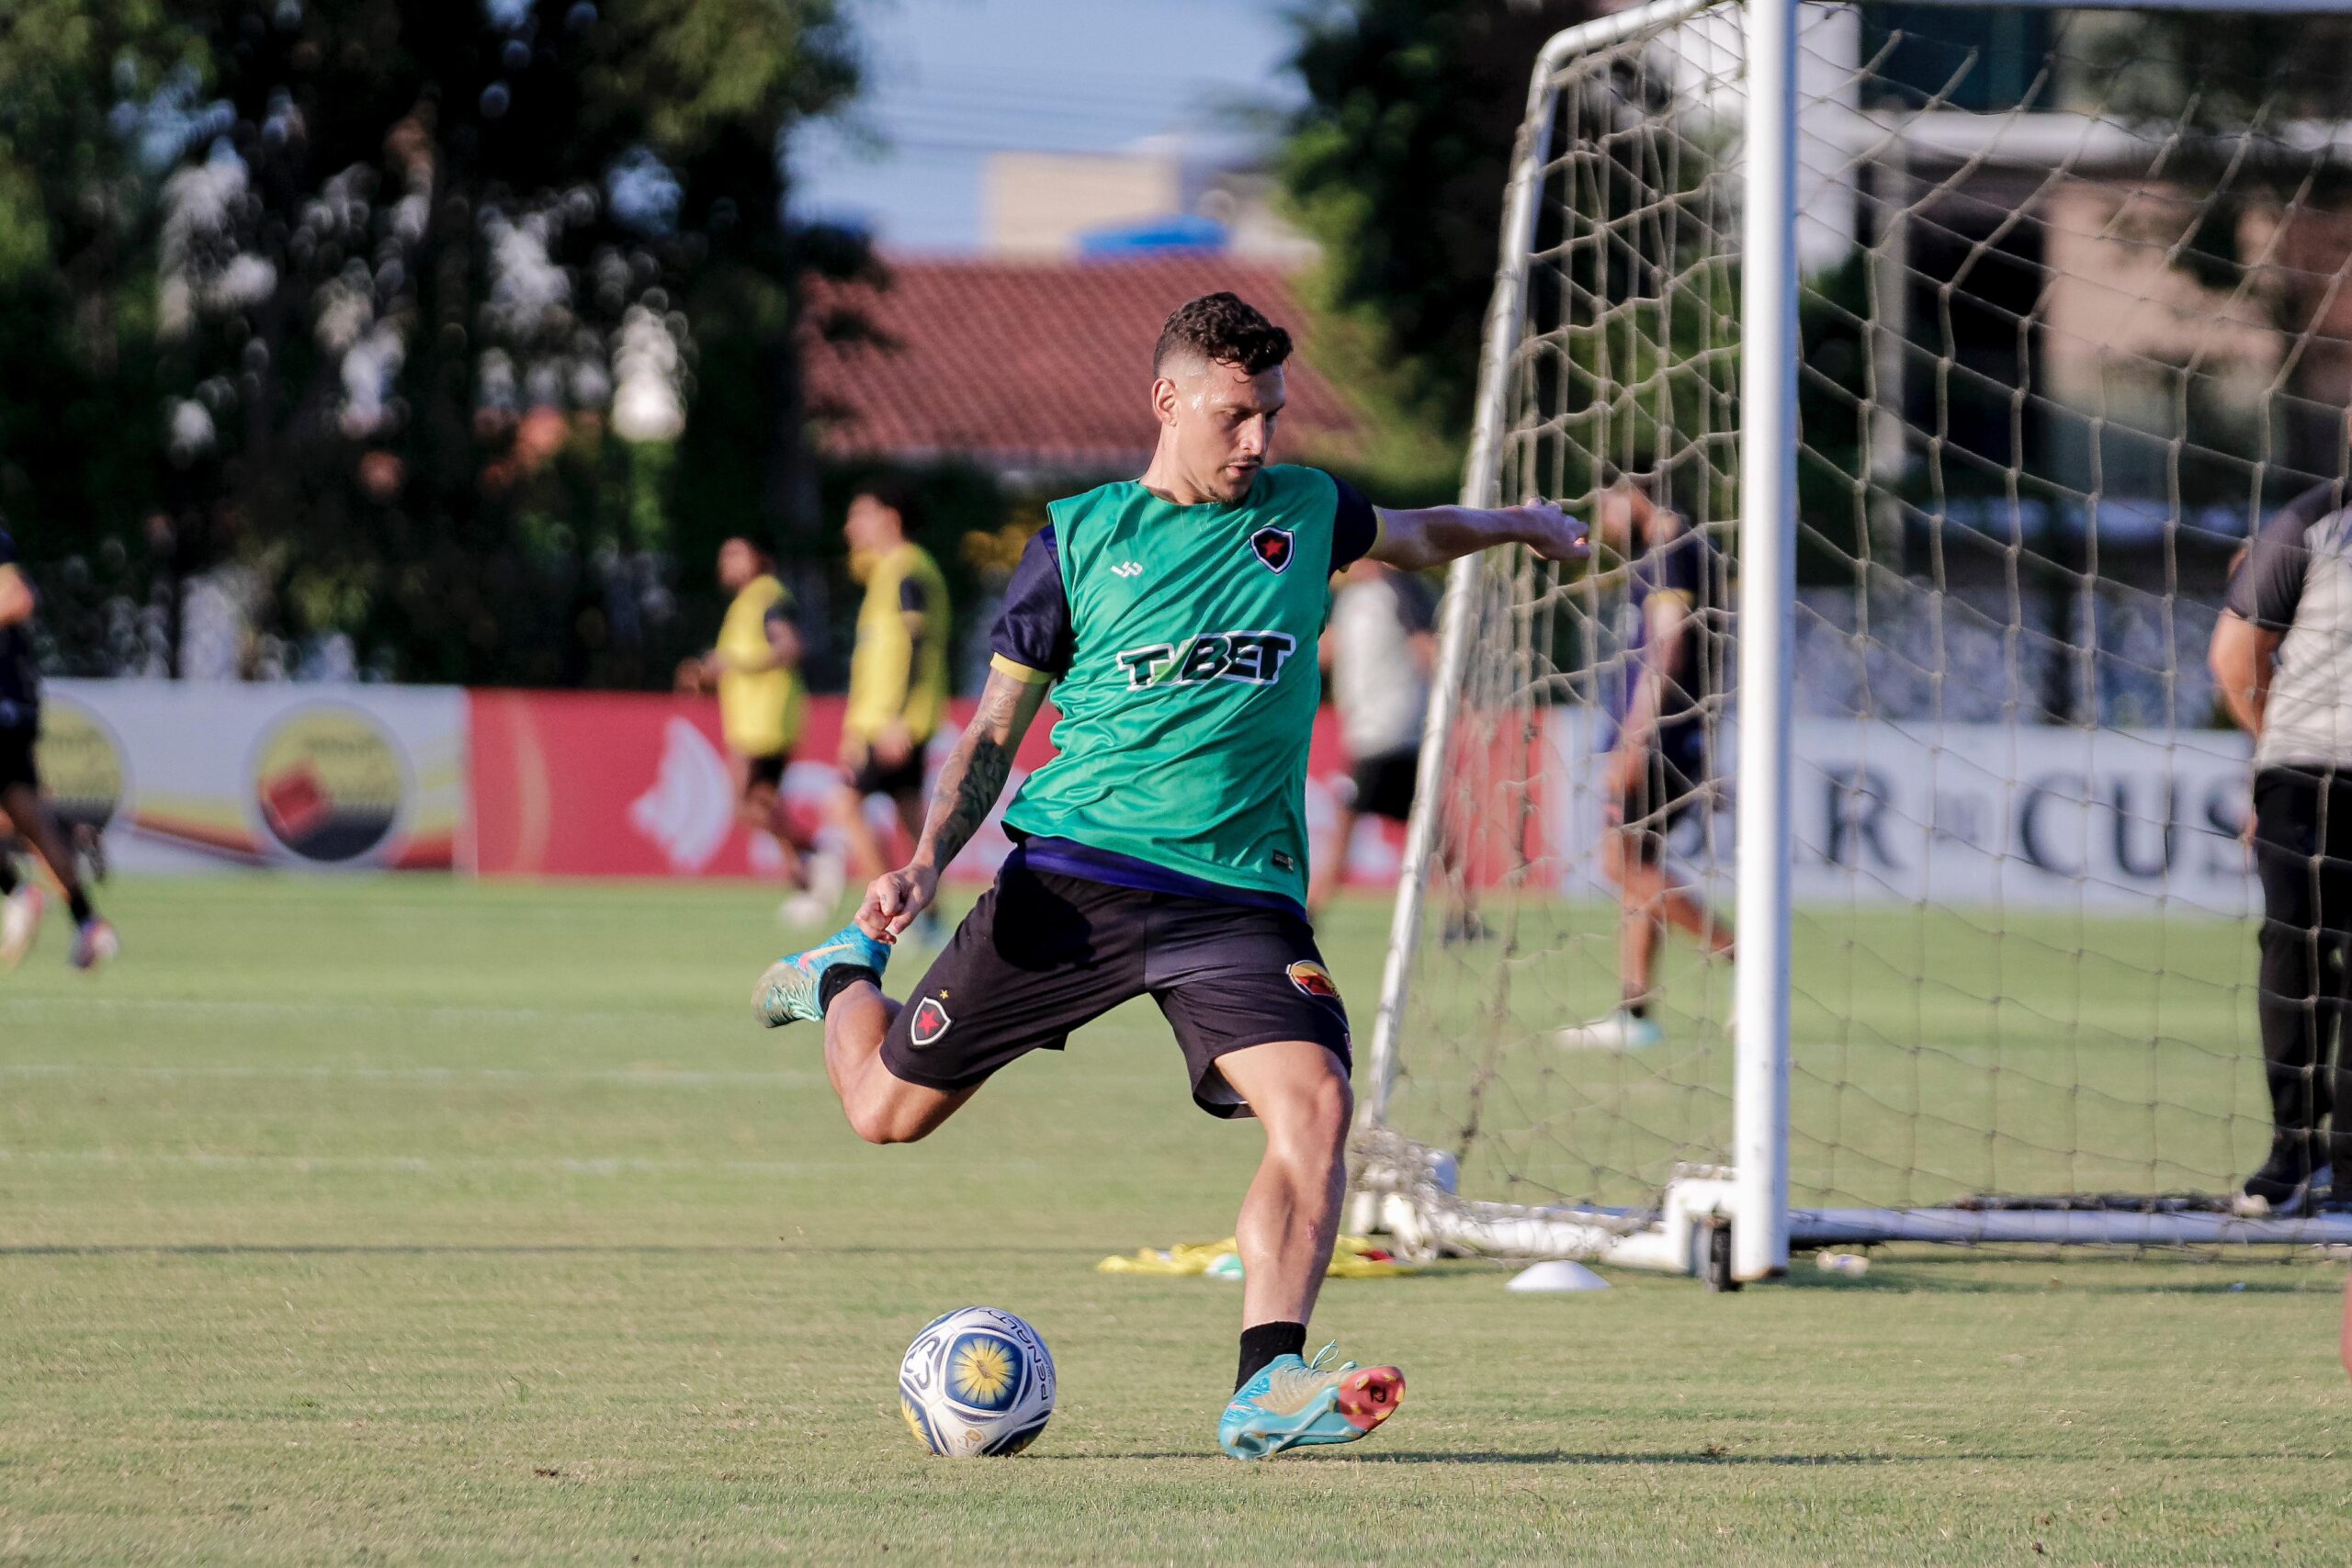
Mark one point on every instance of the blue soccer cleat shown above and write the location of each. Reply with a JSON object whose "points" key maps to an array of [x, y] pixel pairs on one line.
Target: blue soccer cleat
{"points": [[789, 992], [1292, 1404]]}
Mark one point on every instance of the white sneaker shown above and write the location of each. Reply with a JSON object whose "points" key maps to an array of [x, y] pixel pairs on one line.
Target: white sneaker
{"points": [[94, 944], [804, 911], [827, 874], [20, 915], [1618, 1030], [814, 905]]}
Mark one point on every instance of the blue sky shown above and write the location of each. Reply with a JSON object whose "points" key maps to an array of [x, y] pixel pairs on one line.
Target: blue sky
{"points": [[949, 81]]}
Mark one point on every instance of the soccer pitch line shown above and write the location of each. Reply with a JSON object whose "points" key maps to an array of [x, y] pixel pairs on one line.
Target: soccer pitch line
{"points": [[438, 1013], [422, 1165], [619, 1077]]}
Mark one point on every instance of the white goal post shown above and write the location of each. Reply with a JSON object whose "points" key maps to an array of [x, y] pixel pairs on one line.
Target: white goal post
{"points": [[1697, 187]]}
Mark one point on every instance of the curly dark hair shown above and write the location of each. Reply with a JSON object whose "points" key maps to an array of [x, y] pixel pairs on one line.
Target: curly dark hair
{"points": [[1224, 329]]}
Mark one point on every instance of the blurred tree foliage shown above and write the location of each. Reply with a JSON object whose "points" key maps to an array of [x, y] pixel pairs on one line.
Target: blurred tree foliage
{"points": [[1397, 165], [451, 331], [79, 367]]}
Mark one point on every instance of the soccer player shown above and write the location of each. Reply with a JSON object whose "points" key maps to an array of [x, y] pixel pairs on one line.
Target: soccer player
{"points": [[1656, 771], [898, 675], [755, 668], [1379, 650], [1163, 851], [20, 901], [2279, 655]]}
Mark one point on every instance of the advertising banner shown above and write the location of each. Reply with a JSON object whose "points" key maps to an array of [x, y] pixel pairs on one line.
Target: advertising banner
{"points": [[2015, 814], [634, 784], [184, 776], [612, 783]]}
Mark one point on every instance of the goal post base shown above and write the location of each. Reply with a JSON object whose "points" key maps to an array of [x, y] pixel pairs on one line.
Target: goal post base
{"points": [[1407, 1191], [2078, 1225]]}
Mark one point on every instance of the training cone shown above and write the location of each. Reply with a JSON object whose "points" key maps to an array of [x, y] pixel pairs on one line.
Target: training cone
{"points": [[1553, 1279]]}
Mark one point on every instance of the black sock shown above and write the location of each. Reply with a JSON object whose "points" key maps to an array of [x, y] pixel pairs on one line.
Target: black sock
{"points": [[8, 877], [79, 902], [1638, 1009], [1261, 1342], [841, 974]]}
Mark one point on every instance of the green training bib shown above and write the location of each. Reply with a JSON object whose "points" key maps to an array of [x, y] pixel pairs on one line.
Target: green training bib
{"points": [[1189, 700]]}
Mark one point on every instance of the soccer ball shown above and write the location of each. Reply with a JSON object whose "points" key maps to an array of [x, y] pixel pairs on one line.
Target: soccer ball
{"points": [[976, 1382]]}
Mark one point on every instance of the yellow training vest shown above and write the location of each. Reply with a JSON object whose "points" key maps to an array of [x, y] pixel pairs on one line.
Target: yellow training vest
{"points": [[892, 675], [759, 705]]}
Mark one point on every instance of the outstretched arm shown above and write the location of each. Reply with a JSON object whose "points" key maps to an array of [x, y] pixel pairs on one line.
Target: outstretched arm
{"points": [[969, 783], [1414, 541]]}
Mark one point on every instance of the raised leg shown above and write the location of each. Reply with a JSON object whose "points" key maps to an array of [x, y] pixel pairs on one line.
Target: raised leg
{"points": [[881, 1107]]}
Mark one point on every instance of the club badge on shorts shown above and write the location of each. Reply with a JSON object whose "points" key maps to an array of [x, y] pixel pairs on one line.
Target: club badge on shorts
{"points": [[1313, 980], [1272, 547], [931, 1021]]}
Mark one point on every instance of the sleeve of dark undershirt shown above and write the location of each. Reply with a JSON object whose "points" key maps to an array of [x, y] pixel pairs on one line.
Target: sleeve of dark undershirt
{"points": [[1355, 527], [1032, 640], [2269, 586]]}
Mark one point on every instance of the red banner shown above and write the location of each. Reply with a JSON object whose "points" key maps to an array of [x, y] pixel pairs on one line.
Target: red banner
{"points": [[632, 785]]}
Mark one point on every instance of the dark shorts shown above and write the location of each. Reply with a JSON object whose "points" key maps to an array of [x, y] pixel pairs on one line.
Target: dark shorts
{"points": [[16, 758], [1669, 789], [767, 770], [1384, 784], [1042, 954], [873, 777]]}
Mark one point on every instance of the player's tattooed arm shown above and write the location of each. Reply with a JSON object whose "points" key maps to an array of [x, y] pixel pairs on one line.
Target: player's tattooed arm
{"points": [[969, 783], [1413, 541]]}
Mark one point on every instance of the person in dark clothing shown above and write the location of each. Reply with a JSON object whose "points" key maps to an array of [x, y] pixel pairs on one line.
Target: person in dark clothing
{"points": [[21, 902], [2282, 656]]}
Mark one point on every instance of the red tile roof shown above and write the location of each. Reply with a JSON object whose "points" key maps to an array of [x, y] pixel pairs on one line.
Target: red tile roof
{"points": [[1038, 365]]}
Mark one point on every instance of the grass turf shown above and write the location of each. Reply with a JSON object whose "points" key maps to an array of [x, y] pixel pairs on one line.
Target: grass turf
{"points": [[425, 1222]]}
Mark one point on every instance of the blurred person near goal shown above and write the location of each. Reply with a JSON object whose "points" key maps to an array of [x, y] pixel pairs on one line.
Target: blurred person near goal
{"points": [[1657, 772], [2281, 657], [1379, 650]]}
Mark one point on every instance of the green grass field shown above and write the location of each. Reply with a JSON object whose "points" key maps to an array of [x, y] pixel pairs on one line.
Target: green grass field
{"points": [[411, 1221]]}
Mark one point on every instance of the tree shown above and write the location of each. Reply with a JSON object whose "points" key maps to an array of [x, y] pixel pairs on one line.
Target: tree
{"points": [[439, 295], [82, 86], [1397, 165]]}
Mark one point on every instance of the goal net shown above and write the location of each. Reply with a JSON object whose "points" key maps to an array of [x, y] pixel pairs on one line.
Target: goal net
{"points": [[2073, 318]]}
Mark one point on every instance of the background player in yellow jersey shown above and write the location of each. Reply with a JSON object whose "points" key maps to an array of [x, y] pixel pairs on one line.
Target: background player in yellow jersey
{"points": [[898, 677], [755, 670]]}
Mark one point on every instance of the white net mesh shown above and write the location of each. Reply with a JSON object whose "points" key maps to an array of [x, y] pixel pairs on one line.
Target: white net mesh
{"points": [[2075, 321]]}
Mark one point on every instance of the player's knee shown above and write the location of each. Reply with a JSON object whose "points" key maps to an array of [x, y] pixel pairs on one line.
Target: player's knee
{"points": [[886, 1123], [1316, 1116]]}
